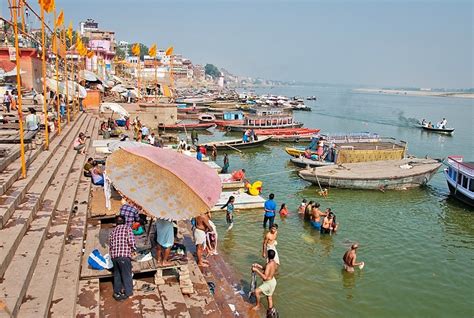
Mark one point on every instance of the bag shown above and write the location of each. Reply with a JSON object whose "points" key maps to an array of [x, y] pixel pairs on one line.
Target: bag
{"points": [[99, 262]]}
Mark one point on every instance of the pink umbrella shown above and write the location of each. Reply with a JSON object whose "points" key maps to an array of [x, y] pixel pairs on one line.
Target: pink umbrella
{"points": [[164, 183]]}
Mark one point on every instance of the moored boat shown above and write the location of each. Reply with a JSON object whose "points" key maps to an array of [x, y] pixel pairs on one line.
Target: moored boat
{"points": [[230, 118], [305, 162], [286, 131], [446, 131], [266, 119], [187, 126], [206, 118], [237, 143], [375, 175], [460, 178]]}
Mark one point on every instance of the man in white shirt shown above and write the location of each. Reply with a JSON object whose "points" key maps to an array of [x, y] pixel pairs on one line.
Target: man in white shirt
{"points": [[32, 121]]}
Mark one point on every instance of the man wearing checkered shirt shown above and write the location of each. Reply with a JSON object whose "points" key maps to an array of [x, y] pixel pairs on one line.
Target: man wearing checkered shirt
{"points": [[129, 212], [121, 246]]}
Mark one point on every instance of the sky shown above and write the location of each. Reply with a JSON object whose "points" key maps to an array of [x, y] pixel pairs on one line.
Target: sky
{"points": [[371, 43]]}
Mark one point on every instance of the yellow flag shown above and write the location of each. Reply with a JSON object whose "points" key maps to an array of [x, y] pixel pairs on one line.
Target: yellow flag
{"points": [[136, 49], [60, 19], [69, 31], [54, 45], [169, 51], [152, 51]]}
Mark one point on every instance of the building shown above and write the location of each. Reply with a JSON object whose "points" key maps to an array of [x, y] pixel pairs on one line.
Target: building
{"points": [[102, 43], [30, 64], [87, 26]]}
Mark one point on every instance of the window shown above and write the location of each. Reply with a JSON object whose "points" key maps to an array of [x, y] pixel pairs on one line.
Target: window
{"points": [[464, 182], [471, 185], [459, 178], [453, 176]]}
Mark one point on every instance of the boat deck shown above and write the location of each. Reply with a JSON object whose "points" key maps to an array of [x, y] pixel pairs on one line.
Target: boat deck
{"points": [[243, 201], [228, 183], [375, 170]]}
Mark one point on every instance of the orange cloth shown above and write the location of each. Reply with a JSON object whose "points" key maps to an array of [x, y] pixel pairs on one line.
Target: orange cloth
{"points": [[238, 175]]}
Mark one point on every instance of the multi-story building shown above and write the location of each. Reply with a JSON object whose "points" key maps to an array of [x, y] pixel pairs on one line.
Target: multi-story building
{"points": [[102, 43]]}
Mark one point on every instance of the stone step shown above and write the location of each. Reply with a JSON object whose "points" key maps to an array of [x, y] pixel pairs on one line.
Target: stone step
{"points": [[9, 155], [88, 299], [53, 178], [10, 200], [40, 290], [173, 301], [67, 283], [12, 172], [16, 227]]}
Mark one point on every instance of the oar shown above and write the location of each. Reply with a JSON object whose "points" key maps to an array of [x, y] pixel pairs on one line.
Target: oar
{"points": [[240, 151]]}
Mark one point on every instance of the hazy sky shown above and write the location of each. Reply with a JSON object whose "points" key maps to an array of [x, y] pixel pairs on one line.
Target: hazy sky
{"points": [[384, 43]]}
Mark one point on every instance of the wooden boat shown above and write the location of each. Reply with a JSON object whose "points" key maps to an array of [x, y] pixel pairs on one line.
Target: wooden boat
{"points": [[206, 118], [446, 131], [228, 183], [292, 138], [231, 118], [305, 162], [375, 175], [187, 126], [266, 118], [286, 131], [237, 143], [243, 201], [460, 178]]}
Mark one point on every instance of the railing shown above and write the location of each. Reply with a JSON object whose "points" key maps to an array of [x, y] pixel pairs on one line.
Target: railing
{"points": [[457, 163]]}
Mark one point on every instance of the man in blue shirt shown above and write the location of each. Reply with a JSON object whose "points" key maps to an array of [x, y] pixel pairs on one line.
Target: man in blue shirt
{"points": [[270, 209]]}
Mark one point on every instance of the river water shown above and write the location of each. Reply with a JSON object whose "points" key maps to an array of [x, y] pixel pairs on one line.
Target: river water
{"points": [[417, 244]]}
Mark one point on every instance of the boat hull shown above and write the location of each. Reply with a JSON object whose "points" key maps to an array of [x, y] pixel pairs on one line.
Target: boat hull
{"points": [[188, 127], [458, 192], [237, 144], [375, 175], [245, 127], [304, 163], [447, 131]]}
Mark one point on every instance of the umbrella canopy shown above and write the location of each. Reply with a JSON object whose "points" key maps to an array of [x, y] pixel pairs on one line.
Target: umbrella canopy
{"points": [[164, 183], [116, 108], [119, 88], [117, 144], [81, 92], [89, 76], [13, 72]]}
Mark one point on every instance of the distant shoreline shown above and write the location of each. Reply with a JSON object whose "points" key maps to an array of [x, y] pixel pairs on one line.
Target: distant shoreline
{"points": [[414, 93]]}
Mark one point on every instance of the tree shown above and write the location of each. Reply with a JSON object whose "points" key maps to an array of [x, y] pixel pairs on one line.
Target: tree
{"points": [[212, 70], [143, 50], [119, 53]]}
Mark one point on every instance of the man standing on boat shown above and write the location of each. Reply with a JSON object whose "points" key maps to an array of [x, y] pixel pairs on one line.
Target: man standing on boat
{"points": [[270, 209]]}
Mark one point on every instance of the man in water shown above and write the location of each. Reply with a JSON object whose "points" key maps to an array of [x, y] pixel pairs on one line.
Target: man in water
{"points": [[270, 209], [349, 259], [270, 242], [268, 277], [316, 215], [225, 169], [202, 226]]}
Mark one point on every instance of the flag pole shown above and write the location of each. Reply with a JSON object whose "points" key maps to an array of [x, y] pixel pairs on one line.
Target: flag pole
{"points": [[18, 85], [66, 74], [43, 61], [156, 81], [57, 70]]}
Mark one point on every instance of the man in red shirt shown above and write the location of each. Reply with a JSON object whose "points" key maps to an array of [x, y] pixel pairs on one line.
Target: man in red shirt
{"points": [[121, 246]]}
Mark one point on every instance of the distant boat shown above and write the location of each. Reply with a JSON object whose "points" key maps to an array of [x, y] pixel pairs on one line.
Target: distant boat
{"points": [[237, 143], [446, 131], [460, 178], [311, 98]]}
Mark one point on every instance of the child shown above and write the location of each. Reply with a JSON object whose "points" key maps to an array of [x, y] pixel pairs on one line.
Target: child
{"points": [[302, 206], [230, 212], [283, 210]]}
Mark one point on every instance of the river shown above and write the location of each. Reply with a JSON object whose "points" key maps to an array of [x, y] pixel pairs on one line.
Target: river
{"points": [[417, 244]]}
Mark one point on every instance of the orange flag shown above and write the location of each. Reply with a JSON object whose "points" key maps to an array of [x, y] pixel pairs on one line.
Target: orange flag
{"points": [[152, 51], [169, 51], [90, 54], [69, 31], [136, 49], [60, 19], [47, 5]]}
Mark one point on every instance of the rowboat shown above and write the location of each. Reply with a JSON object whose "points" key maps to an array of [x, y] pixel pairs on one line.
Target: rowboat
{"points": [[206, 118], [188, 126], [446, 131], [292, 138], [237, 143], [460, 178], [375, 175], [303, 162]]}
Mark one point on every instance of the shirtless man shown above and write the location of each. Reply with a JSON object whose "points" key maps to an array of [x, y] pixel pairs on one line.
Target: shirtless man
{"points": [[269, 243], [268, 277], [316, 215], [202, 226], [349, 259]]}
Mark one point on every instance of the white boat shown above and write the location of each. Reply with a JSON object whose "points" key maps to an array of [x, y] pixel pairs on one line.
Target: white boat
{"points": [[460, 177]]}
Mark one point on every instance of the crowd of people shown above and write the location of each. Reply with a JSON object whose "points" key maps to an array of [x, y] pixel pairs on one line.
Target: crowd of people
{"points": [[442, 124]]}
